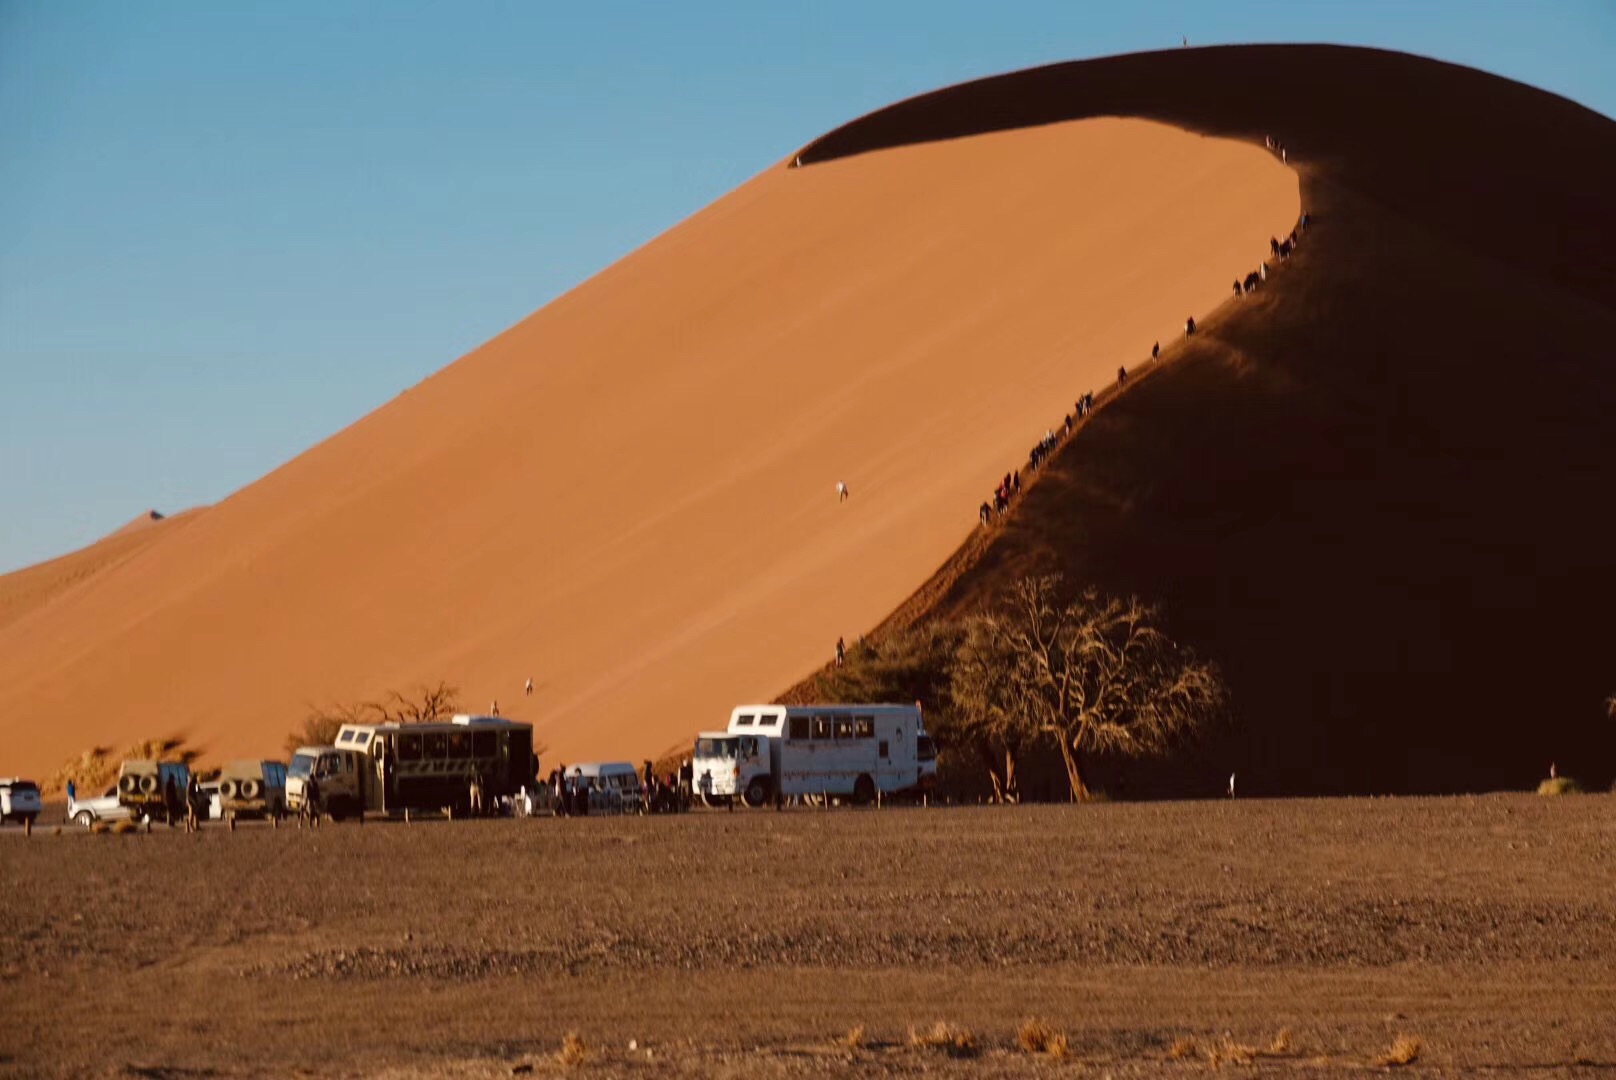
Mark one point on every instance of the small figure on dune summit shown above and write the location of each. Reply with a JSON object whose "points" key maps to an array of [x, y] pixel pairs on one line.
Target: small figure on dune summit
{"points": [[1155, 351], [527, 690], [841, 491], [1189, 326], [1122, 376], [841, 652], [493, 707]]}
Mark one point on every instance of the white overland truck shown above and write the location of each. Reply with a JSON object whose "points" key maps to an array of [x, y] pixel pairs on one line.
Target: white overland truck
{"points": [[839, 751]]}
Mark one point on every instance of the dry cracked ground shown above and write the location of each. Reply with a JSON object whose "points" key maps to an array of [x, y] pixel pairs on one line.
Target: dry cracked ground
{"points": [[1167, 939]]}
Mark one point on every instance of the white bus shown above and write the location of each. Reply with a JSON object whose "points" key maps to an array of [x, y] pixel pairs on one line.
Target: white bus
{"points": [[836, 750]]}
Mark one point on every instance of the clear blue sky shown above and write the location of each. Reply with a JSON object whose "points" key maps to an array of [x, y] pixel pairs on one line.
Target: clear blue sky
{"points": [[228, 230]]}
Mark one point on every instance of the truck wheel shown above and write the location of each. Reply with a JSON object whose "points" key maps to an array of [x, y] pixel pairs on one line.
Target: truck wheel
{"points": [[757, 792], [85, 818], [863, 791]]}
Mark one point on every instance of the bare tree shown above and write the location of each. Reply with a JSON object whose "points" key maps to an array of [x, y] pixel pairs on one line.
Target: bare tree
{"points": [[1099, 674], [424, 705], [988, 714], [322, 723]]}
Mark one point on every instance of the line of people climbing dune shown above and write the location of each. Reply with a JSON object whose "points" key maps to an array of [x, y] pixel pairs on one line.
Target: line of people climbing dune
{"points": [[1009, 488]]}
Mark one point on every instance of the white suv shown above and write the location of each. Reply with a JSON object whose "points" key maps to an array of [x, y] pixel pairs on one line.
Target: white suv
{"points": [[103, 808], [19, 801]]}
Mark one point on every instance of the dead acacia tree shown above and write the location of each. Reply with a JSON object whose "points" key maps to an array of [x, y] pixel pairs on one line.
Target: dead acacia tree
{"points": [[320, 726], [987, 714], [1099, 674], [423, 705]]}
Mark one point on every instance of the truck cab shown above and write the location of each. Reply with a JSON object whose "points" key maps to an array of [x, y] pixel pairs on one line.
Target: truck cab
{"points": [[335, 772], [727, 765]]}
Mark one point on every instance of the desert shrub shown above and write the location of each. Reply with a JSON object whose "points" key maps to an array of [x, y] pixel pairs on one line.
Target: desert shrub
{"points": [[1559, 785], [1281, 1043], [99, 827], [1182, 1048], [95, 769], [1038, 1037], [573, 1051], [954, 1041], [1404, 1050], [854, 1038]]}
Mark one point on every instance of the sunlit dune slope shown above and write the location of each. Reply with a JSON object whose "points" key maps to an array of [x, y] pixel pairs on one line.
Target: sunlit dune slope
{"points": [[630, 495], [26, 590], [1379, 494]]}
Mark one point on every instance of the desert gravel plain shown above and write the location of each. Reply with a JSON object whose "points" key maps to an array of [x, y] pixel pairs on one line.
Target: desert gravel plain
{"points": [[1166, 939]]}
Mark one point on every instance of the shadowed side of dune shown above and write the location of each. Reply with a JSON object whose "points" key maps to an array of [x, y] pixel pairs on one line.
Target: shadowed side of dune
{"points": [[1378, 493]]}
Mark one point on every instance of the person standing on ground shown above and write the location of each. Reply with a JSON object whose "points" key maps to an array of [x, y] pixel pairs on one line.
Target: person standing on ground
{"points": [[193, 798], [476, 795], [311, 802], [72, 796]]}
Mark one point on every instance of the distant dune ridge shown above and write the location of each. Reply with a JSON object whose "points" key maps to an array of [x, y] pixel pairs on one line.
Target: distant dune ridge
{"points": [[1375, 492]]}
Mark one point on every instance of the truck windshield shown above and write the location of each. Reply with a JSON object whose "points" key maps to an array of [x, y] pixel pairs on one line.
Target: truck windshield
{"points": [[925, 749], [302, 765], [717, 748]]}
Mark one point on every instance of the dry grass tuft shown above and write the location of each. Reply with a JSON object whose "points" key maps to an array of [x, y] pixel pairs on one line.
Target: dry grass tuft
{"points": [[854, 1039], [124, 826], [100, 827], [1037, 1037], [1228, 1052], [1559, 785], [955, 1041], [1182, 1048], [1281, 1043], [1404, 1050], [573, 1051]]}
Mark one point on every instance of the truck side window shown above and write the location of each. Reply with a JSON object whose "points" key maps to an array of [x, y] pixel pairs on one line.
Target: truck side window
{"points": [[864, 727], [821, 727], [844, 727], [799, 728]]}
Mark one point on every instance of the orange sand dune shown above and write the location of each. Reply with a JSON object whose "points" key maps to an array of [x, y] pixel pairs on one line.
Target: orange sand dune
{"points": [[630, 495], [24, 591]]}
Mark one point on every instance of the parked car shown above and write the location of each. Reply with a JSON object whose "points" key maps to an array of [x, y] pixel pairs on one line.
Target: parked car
{"points": [[19, 801], [101, 808]]}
